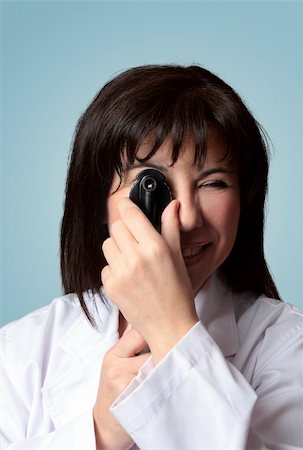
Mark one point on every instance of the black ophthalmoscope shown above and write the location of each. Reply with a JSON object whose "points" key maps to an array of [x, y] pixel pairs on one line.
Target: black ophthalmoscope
{"points": [[152, 194]]}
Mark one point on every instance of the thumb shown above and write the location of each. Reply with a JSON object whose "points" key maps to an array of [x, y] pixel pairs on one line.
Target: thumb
{"points": [[130, 344], [170, 227]]}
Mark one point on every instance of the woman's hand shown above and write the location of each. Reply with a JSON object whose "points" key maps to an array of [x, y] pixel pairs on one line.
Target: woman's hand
{"points": [[147, 278], [120, 365]]}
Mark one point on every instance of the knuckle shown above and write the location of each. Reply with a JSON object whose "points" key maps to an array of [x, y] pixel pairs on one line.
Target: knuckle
{"points": [[116, 378], [108, 358], [109, 287], [116, 226], [134, 264], [128, 210], [118, 277], [112, 376], [114, 373], [106, 244], [129, 214], [156, 250], [105, 273]]}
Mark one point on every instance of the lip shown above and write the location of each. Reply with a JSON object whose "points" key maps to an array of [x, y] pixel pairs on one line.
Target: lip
{"points": [[191, 260]]}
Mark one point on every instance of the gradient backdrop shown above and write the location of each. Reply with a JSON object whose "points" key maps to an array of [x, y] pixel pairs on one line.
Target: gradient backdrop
{"points": [[54, 58]]}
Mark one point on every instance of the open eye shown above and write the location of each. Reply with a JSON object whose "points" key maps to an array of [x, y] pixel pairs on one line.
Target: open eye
{"points": [[216, 184]]}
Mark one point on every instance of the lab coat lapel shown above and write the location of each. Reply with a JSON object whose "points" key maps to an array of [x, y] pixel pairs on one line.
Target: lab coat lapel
{"points": [[215, 308], [82, 349]]}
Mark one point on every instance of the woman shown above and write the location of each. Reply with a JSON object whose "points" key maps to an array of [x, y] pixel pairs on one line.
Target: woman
{"points": [[182, 345]]}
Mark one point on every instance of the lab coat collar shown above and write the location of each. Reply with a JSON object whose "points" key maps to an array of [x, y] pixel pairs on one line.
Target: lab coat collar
{"points": [[81, 338], [215, 304]]}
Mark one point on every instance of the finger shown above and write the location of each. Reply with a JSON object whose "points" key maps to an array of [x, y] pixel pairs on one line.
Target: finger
{"points": [[105, 274], [136, 221], [129, 327], [136, 362], [170, 227], [123, 237], [130, 344], [111, 251]]}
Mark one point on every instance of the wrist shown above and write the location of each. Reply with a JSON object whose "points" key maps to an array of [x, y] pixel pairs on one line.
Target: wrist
{"points": [[166, 340], [111, 437]]}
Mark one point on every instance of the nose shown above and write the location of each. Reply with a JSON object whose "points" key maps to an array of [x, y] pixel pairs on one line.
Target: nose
{"points": [[190, 213]]}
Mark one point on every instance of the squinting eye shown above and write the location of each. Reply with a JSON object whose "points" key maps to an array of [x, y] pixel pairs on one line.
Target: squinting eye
{"points": [[218, 184]]}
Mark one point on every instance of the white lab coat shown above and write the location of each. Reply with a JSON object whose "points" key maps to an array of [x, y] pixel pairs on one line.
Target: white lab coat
{"points": [[227, 384]]}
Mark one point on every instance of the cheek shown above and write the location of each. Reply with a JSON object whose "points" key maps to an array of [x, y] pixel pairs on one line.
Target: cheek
{"points": [[224, 216], [229, 218]]}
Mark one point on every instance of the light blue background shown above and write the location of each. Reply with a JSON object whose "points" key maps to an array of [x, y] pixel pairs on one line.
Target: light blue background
{"points": [[54, 58]]}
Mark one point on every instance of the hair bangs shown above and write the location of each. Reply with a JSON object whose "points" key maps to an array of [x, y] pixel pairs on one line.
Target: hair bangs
{"points": [[182, 119]]}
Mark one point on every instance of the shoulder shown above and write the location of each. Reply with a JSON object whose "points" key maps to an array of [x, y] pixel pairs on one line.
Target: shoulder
{"points": [[272, 316], [270, 332], [60, 311], [41, 330]]}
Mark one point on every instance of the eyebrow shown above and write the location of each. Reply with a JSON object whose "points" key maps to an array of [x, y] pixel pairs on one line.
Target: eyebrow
{"points": [[203, 174], [146, 164], [206, 173]]}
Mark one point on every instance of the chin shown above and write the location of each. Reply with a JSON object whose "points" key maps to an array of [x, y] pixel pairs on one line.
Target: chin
{"points": [[197, 285]]}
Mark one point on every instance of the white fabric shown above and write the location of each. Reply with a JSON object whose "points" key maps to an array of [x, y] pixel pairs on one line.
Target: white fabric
{"points": [[227, 384]]}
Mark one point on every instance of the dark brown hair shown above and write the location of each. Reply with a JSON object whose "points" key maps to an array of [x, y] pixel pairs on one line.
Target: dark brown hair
{"points": [[163, 101]]}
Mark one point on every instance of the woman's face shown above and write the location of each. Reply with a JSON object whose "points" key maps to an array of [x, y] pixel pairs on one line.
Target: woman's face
{"points": [[209, 203]]}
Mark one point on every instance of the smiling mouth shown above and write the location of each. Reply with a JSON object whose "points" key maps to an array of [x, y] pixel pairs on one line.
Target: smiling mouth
{"points": [[192, 253]]}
